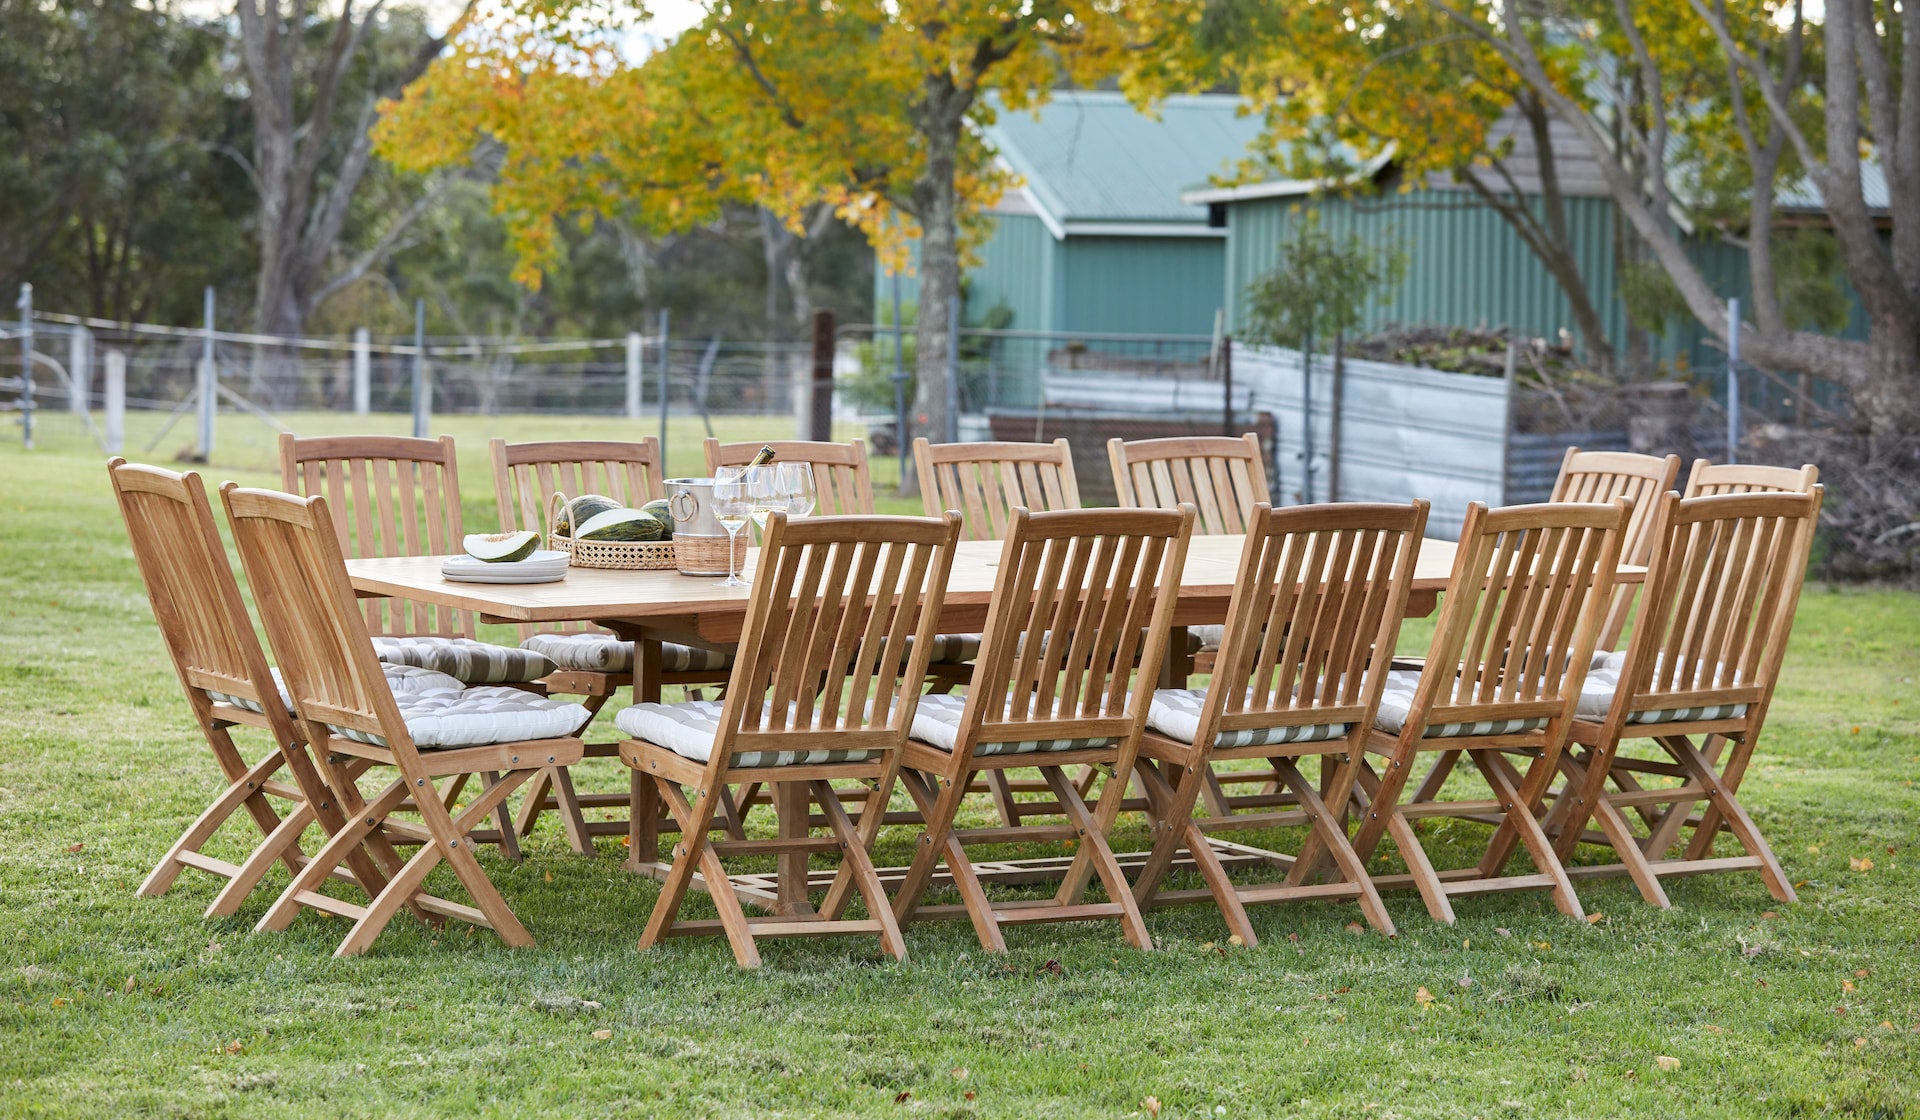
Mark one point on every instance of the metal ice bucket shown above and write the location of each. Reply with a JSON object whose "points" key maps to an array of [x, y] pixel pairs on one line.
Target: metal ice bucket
{"points": [[700, 541]]}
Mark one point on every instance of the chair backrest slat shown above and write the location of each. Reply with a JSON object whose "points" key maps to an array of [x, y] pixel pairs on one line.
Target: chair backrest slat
{"points": [[1602, 476], [986, 482], [1707, 480], [1221, 476], [190, 585], [299, 579], [389, 496], [837, 635], [842, 483], [1524, 607], [1080, 597], [1721, 592]]}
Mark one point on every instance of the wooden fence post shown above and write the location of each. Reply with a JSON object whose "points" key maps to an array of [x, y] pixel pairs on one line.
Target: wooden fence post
{"points": [[820, 426]]}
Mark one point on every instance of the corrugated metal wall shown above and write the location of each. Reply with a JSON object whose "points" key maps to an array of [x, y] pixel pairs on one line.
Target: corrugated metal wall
{"points": [[1016, 267], [1141, 285]]}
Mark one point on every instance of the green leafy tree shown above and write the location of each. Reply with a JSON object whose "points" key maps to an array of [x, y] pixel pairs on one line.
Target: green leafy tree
{"points": [[1321, 286]]}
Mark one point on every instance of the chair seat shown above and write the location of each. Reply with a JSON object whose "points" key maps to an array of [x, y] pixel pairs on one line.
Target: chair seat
{"points": [[688, 729], [478, 717], [593, 652], [951, 649], [937, 723], [1175, 713], [1205, 639], [1396, 704], [464, 659], [1603, 680], [402, 679]]}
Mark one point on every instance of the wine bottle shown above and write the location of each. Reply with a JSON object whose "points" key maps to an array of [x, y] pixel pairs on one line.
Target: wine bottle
{"points": [[762, 457]]}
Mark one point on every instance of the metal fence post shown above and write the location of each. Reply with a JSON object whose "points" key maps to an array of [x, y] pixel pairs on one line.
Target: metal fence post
{"points": [[422, 381], [79, 370], [633, 375], [905, 440], [666, 380], [820, 427], [116, 401], [362, 371], [209, 389], [1733, 380], [1511, 378], [26, 365]]}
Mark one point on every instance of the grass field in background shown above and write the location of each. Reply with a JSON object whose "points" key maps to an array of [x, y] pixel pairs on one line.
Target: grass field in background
{"points": [[112, 1005]]}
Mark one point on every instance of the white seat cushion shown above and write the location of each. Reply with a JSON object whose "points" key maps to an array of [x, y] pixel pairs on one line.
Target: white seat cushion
{"points": [[402, 679], [1205, 639], [1603, 680], [937, 723], [689, 730], [592, 652], [464, 659], [477, 717], [1175, 713], [1396, 704]]}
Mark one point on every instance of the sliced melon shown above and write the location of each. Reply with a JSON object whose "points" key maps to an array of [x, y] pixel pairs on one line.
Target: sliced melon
{"points": [[663, 512], [580, 510], [501, 548], [622, 525]]}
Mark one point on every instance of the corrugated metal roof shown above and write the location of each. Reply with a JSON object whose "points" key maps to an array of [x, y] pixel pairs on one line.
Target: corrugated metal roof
{"points": [[1800, 194], [1090, 156]]}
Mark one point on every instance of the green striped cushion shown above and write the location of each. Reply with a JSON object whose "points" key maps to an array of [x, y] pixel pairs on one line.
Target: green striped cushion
{"points": [[689, 730]]}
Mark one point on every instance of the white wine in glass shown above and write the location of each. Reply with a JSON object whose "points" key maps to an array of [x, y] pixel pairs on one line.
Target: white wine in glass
{"points": [[732, 505]]}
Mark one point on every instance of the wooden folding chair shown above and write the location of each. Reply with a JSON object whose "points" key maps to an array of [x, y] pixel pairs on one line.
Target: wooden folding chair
{"points": [[1525, 603], [1080, 597], [1708, 480], [824, 689], [986, 482], [1223, 477], [1309, 641], [1702, 665], [1602, 476], [593, 663], [214, 650], [345, 709], [841, 482], [401, 497]]}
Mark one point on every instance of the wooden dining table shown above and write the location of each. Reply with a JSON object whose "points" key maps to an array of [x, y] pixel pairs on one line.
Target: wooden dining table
{"points": [[650, 607]]}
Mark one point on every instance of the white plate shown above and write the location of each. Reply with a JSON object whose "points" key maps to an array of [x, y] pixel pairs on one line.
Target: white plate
{"points": [[542, 567]]}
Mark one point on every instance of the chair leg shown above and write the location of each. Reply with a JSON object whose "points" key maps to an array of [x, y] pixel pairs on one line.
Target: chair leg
{"points": [[243, 790], [694, 825], [1384, 818], [1334, 838], [1172, 812], [331, 854], [863, 873], [1336, 784], [1094, 849], [1711, 818], [1001, 787], [1519, 815], [282, 843], [643, 821], [939, 841], [503, 820], [1613, 823], [535, 801], [1739, 823]]}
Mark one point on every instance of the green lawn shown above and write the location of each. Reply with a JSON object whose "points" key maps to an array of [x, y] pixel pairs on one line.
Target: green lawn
{"points": [[117, 1005]]}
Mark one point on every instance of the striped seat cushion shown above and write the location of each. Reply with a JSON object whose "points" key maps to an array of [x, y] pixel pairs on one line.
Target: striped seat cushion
{"points": [[1396, 704], [688, 729], [937, 723], [464, 659], [952, 649], [1603, 680], [478, 717], [592, 652], [1175, 713], [402, 679]]}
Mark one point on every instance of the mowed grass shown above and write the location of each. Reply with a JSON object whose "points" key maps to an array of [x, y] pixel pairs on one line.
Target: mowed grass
{"points": [[114, 1005]]}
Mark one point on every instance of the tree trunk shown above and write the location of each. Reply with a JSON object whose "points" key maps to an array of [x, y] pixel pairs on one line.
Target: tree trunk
{"points": [[936, 205]]}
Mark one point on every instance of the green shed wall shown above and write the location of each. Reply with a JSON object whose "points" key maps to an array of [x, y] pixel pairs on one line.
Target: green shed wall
{"points": [[1141, 285]]}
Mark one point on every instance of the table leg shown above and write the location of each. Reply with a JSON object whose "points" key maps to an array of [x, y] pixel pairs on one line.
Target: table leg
{"points": [[643, 800], [791, 803], [1177, 665]]}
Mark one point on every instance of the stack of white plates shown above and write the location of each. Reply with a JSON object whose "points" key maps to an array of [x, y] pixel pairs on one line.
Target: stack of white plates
{"points": [[542, 567]]}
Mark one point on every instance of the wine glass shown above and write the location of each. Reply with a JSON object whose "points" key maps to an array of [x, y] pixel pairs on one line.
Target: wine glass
{"points": [[795, 481], [733, 505]]}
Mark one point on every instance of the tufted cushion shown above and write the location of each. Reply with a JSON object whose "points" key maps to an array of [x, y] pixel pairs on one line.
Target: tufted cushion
{"points": [[476, 717], [1175, 713], [689, 729], [1396, 704], [937, 723], [402, 679], [1202, 639], [952, 649], [464, 659], [1603, 680], [593, 652]]}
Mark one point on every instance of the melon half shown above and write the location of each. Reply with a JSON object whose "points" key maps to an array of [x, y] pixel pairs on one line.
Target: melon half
{"points": [[501, 548]]}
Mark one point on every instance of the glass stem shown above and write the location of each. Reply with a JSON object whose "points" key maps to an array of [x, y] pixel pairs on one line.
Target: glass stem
{"points": [[732, 532]]}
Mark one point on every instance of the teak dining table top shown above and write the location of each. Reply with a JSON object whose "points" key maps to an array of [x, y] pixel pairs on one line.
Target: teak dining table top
{"points": [[666, 603]]}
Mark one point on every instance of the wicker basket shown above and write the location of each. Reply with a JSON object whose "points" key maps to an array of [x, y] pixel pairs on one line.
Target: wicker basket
{"points": [[630, 555]]}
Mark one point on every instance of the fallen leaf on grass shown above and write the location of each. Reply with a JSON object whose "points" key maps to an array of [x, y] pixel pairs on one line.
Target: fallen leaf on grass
{"points": [[1503, 931], [1423, 997], [1051, 968], [902, 1096], [549, 877], [1716, 1030], [1863, 973], [1466, 981], [234, 1047], [603, 1035], [1860, 865], [1769, 915], [1847, 986], [959, 1073], [968, 1095], [1236, 941], [1543, 946], [129, 986], [1858, 1043], [1666, 1062], [1596, 918], [1151, 1105], [1356, 928], [76, 847], [1886, 1024]]}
